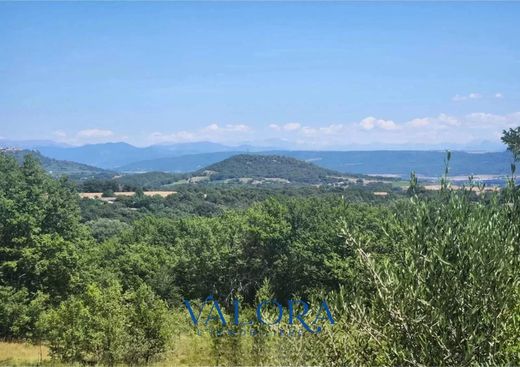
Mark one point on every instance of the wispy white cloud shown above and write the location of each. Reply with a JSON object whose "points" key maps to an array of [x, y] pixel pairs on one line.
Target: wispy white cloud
{"points": [[458, 97], [441, 121], [291, 126], [212, 132], [443, 128], [322, 130], [59, 134], [93, 135], [420, 122], [179, 136], [369, 123], [371, 130], [474, 96], [228, 128]]}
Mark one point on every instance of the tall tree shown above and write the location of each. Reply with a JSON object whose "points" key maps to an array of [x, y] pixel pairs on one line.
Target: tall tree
{"points": [[39, 229], [511, 138]]}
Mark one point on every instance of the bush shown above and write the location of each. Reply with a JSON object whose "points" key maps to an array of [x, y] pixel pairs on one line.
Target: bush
{"points": [[149, 326], [104, 228], [448, 293], [88, 328], [107, 326]]}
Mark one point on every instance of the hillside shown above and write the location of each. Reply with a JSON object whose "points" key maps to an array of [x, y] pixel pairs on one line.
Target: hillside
{"points": [[274, 167], [56, 168]]}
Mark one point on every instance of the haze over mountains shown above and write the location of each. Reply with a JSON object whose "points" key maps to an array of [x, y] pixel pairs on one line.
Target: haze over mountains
{"points": [[113, 155], [189, 157], [399, 163], [56, 167]]}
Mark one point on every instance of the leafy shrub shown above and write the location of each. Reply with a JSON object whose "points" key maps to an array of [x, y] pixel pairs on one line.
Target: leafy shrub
{"points": [[105, 325]]}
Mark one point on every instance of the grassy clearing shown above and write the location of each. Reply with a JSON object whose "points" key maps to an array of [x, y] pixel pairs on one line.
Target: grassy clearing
{"points": [[189, 350], [22, 354]]}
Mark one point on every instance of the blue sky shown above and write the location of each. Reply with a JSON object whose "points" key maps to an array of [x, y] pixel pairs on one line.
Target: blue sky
{"points": [[313, 75]]}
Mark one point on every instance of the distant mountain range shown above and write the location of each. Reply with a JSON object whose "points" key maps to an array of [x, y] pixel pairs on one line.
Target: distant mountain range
{"points": [[402, 163], [189, 157], [58, 168], [178, 164], [113, 155], [398, 163], [30, 144]]}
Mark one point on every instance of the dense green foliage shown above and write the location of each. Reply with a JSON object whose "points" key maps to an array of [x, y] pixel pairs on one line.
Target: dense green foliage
{"points": [[96, 185], [148, 180], [210, 200], [40, 233], [511, 138], [107, 326], [411, 280]]}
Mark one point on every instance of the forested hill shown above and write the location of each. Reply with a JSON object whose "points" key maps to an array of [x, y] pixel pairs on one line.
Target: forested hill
{"points": [[58, 168], [269, 167]]}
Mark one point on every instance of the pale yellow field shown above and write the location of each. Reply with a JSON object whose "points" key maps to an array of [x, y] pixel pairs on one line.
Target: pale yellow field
{"points": [[187, 351], [98, 195], [22, 354]]}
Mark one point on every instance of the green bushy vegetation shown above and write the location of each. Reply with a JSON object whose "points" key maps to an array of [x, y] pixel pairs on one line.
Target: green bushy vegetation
{"points": [[411, 280], [211, 200], [149, 180], [511, 138]]}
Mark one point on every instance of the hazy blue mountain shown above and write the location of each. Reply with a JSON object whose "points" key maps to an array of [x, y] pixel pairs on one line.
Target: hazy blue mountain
{"points": [[424, 163], [194, 148], [30, 144], [187, 157], [183, 163], [167, 158], [107, 155], [56, 168], [111, 155], [482, 146]]}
